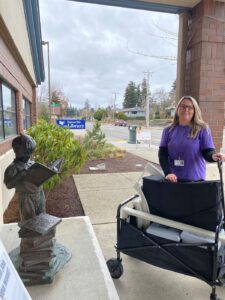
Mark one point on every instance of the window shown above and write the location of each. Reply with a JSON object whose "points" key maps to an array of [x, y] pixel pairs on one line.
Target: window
{"points": [[26, 114], [1, 121], [8, 122]]}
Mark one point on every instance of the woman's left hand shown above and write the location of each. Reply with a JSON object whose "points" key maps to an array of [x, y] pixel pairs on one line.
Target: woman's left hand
{"points": [[218, 156]]}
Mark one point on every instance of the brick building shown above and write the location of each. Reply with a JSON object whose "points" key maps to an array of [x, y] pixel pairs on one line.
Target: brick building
{"points": [[21, 70]]}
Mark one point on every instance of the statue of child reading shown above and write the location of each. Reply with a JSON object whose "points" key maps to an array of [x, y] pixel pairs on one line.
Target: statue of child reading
{"points": [[31, 197]]}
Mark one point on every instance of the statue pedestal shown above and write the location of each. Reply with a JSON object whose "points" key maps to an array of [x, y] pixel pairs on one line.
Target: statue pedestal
{"points": [[85, 276]]}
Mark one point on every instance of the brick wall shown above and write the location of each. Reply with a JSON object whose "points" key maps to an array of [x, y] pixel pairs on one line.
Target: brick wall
{"points": [[12, 73], [205, 63]]}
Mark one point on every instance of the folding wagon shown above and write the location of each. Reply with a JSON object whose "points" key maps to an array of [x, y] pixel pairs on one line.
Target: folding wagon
{"points": [[175, 226]]}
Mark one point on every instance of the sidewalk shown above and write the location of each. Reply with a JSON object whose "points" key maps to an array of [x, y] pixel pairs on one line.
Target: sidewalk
{"points": [[100, 195]]}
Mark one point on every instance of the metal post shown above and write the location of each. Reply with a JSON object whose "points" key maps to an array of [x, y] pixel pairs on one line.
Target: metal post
{"points": [[49, 77], [114, 106]]}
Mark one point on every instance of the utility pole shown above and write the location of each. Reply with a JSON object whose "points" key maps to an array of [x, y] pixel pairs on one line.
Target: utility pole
{"points": [[147, 98], [114, 104]]}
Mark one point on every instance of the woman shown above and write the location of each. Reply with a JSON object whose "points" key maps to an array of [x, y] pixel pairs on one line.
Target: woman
{"points": [[186, 143]]}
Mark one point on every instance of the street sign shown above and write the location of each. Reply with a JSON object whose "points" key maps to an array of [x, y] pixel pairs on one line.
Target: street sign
{"points": [[72, 124], [143, 136], [55, 104]]}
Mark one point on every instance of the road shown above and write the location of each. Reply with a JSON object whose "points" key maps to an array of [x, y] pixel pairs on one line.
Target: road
{"points": [[116, 133]]}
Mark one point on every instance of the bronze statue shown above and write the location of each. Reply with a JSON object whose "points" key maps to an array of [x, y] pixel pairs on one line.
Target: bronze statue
{"points": [[31, 197], [39, 256]]}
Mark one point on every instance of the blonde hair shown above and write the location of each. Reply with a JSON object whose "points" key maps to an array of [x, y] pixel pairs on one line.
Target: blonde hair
{"points": [[197, 123]]}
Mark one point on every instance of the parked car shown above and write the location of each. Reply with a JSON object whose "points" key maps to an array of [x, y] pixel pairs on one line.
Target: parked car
{"points": [[120, 123]]}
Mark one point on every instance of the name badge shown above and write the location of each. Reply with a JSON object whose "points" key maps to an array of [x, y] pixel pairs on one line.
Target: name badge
{"points": [[179, 163]]}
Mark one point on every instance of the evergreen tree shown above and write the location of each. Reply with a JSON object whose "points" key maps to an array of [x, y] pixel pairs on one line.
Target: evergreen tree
{"points": [[139, 96], [130, 97], [172, 93]]}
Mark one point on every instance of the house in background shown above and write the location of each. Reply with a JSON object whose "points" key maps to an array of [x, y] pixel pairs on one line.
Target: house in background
{"points": [[134, 112], [21, 70]]}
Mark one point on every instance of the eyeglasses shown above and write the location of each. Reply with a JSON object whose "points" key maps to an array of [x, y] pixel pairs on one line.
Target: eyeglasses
{"points": [[188, 107]]}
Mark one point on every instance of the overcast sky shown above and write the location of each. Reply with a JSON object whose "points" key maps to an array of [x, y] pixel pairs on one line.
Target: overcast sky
{"points": [[96, 50]]}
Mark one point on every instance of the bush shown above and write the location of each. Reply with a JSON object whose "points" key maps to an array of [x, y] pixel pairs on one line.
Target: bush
{"points": [[121, 116], [94, 140], [108, 150], [100, 114], [135, 118], [96, 146], [54, 142]]}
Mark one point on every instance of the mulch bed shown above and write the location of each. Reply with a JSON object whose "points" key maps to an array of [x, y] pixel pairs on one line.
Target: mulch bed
{"points": [[128, 163], [63, 200]]}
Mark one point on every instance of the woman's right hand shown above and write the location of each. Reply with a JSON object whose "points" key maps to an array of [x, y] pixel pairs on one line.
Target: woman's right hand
{"points": [[171, 177]]}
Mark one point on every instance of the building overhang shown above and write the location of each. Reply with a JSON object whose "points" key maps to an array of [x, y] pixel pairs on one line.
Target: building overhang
{"points": [[166, 6], [32, 14]]}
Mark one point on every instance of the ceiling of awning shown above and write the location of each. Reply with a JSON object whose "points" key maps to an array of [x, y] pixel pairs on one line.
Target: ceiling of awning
{"points": [[168, 6]]}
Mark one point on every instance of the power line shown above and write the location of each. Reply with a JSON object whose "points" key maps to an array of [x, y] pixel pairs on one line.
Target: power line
{"points": [[164, 30], [150, 55]]}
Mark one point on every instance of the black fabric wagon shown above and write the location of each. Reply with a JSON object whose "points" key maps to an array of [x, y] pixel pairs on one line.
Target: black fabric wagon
{"points": [[175, 226]]}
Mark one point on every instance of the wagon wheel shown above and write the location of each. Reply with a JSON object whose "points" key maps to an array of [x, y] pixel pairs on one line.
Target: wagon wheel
{"points": [[115, 268], [214, 297]]}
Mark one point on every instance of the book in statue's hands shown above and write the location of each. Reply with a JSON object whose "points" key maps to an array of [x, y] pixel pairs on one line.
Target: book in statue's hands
{"points": [[37, 173]]}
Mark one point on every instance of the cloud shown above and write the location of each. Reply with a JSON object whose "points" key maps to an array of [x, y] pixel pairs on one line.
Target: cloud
{"points": [[94, 49]]}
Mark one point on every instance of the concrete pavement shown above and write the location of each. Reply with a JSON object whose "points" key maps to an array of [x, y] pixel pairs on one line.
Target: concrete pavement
{"points": [[100, 195], [85, 276]]}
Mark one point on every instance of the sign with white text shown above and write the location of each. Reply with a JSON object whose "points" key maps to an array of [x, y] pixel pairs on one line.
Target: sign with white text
{"points": [[72, 124], [11, 286], [143, 135]]}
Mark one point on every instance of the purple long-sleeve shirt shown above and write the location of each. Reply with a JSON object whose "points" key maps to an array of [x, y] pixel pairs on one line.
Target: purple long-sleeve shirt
{"points": [[183, 148]]}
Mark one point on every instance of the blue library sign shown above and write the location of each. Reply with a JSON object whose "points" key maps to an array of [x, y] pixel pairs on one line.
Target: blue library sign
{"points": [[72, 124]]}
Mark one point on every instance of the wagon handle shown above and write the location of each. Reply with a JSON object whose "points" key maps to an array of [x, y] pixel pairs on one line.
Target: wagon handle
{"points": [[220, 164]]}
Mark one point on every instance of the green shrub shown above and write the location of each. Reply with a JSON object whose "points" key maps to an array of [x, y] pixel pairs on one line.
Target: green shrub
{"points": [[54, 142], [121, 116], [96, 146], [135, 118], [108, 150], [100, 114], [94, 140]]}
